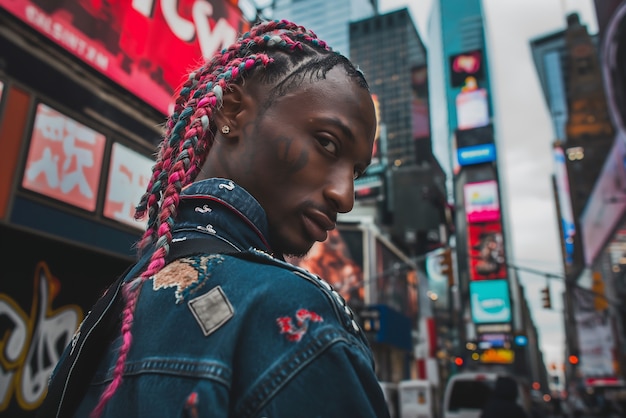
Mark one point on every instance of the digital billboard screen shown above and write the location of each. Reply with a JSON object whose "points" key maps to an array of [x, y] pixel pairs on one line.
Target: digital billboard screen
{"points": [[486, 251], [339, 261], [145, 46], [64, 159], [490, 301]]}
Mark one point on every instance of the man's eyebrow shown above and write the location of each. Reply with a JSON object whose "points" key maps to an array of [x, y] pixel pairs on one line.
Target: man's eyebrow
{"points": [[342, 127]]}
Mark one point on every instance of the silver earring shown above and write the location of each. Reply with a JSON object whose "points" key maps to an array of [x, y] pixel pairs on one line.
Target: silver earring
{"points": [[225, 129]]}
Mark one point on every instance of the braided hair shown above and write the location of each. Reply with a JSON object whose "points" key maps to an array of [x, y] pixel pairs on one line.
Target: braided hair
{"points": [[277, 53]]}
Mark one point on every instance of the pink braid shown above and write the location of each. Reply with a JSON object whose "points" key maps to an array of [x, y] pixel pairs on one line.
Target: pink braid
{"points": [[131, 297]]}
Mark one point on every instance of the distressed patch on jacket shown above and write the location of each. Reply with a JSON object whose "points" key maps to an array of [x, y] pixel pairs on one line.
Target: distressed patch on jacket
{"points": [[211, 310], [188, 275]]}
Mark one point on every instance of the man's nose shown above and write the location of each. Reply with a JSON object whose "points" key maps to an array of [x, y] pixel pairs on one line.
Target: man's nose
{"points": [[340, 191]]}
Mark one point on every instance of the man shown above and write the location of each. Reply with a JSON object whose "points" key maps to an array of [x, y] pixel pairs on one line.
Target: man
{"points": [[259, 157]]}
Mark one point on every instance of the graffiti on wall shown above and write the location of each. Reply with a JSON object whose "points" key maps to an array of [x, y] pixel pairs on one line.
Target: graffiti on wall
{"points": [[32, 342]]}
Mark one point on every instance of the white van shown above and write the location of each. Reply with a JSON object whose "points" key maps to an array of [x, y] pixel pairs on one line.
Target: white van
{"points": [[466, 394]]}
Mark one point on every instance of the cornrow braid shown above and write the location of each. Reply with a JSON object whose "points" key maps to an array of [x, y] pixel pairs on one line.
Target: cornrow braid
{"points": [[282, 54]]}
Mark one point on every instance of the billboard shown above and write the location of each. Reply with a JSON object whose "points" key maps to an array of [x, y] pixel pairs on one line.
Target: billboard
{"points": [[476, 154], [568, 226], [472, 109], [607, 201], [481, 201], [467, 64], [486, 251], [339, 263], [420, 117], [490, 301], [396, 286], [145, 46], [129, 174], [64, 159]]}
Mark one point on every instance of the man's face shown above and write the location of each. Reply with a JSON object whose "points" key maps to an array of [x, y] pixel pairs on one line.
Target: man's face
{"points": [[300, 157]]}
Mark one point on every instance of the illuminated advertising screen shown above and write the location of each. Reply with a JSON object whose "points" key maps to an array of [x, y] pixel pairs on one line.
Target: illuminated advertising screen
{"points": [[64, 159], [420, 119], [476, 154], [472, 109], [145, 46], [396, 286], [468, 64], [481, 201], [486, 251], [129, 174], [607, 202], [339, 261], [490, 301], [568, 226]]}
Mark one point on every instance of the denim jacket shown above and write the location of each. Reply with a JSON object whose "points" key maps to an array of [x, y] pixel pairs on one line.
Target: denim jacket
{"points": [[243, 335]]}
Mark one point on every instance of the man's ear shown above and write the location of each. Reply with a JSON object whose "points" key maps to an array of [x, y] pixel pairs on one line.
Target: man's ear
{"points": [[235, 109]]}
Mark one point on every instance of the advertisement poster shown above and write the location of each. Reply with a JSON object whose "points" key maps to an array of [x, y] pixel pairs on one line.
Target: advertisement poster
{"points": [[468, 64], [420, 117], [146, 46], [490, 301], [486, 251], [396, 286], [129, 174], [607, 202], [481, 201], [596, 343], [472, 109], [64, 159], [334, 262], [568, 226], [595, 332]]}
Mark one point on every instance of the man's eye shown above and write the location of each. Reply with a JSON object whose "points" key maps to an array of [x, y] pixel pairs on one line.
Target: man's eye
{"points": [[328, 144]]}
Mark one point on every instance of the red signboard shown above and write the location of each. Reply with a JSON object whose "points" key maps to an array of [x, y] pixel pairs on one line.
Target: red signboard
{"points": [[486, 251], [146, 46], [64, 159]]}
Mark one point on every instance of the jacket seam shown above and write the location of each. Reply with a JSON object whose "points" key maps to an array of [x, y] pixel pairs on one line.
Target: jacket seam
{"points": [[181, 368], [275, 379]]}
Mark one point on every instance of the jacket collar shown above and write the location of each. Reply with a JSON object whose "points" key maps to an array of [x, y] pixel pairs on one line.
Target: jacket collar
{"points": [[221, 207]]}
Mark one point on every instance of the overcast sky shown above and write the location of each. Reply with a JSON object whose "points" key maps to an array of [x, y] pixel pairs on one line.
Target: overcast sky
{"points": [[525, 140]]}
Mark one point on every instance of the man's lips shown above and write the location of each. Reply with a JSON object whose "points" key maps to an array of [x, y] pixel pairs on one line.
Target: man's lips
{"points": [[317, 225]]}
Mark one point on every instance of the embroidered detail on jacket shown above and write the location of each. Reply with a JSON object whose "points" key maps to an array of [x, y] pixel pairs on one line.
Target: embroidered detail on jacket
{"points": [[211, 310], [228, 186], [191, 405], [203, 209], [303, 317], [187, 275]]}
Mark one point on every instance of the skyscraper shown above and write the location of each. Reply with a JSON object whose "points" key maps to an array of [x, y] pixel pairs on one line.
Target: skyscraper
{"points": [[390, 52], [328, 19]]}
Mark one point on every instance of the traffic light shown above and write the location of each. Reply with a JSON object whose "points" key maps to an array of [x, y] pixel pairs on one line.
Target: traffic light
{"points": [[445, 265], [545, 297], [573, 359]]}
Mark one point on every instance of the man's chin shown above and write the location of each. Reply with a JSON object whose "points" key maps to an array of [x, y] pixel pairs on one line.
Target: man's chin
{"points": [[294, 257]]}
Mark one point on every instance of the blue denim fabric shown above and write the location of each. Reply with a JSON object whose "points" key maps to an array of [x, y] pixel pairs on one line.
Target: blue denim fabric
{"points": [[244, 335]]}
